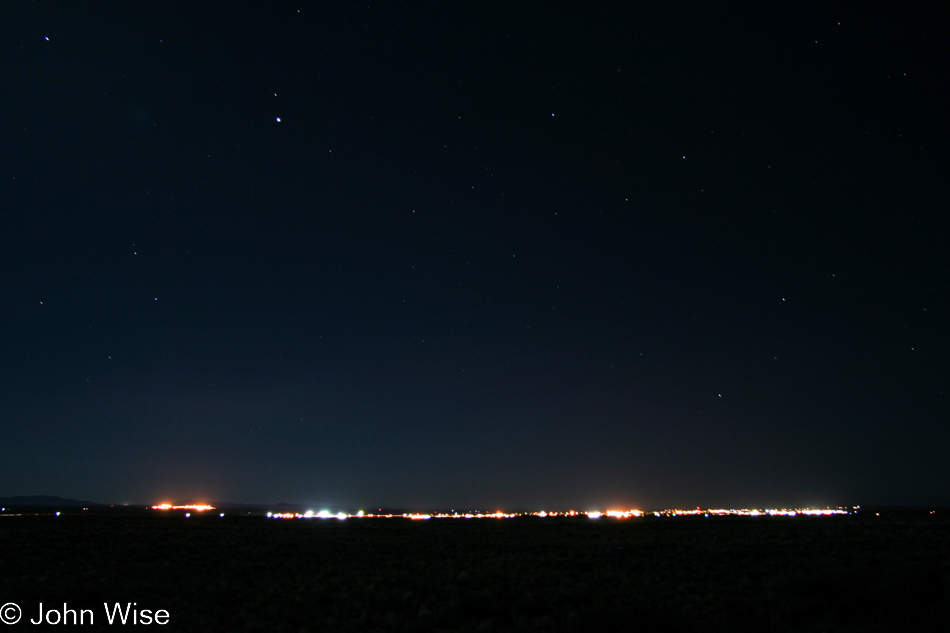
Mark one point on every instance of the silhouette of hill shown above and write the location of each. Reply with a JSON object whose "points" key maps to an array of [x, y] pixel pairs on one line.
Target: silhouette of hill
{"points": [[46, 500]]}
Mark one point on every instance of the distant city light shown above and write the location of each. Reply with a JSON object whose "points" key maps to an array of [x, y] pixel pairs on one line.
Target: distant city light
{"points": [[623, 514], [592, 514], [200, 507]]}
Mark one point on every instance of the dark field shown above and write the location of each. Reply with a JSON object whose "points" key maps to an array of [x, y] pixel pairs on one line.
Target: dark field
{"points": [[855, 573]]}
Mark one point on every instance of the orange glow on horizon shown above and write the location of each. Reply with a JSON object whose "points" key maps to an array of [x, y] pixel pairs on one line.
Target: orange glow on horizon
{"points": [[199, 507], [623, 514]]}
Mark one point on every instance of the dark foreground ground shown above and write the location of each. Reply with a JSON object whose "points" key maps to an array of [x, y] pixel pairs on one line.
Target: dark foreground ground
{"points": [[855, 573]]}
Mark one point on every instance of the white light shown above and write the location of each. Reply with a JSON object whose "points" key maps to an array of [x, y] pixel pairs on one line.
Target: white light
{"points": [[278, 119]]}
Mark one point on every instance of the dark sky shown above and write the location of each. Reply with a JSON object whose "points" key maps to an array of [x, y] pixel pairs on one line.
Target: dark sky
{"points": [[408, 254]]}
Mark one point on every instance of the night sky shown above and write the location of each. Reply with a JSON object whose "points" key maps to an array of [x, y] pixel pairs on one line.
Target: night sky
{"points": [[456, 255]]}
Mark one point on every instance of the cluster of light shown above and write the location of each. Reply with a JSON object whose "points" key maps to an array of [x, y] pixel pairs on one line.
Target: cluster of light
{"points": [[200, 507], [781, 512], [310, 514], [470, 515], [283, 515], [592, 514], [624, 514], [554, 513]]}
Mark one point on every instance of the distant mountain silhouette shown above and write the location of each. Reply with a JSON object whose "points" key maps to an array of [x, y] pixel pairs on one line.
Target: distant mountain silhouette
{"points": [[45, 500]]}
